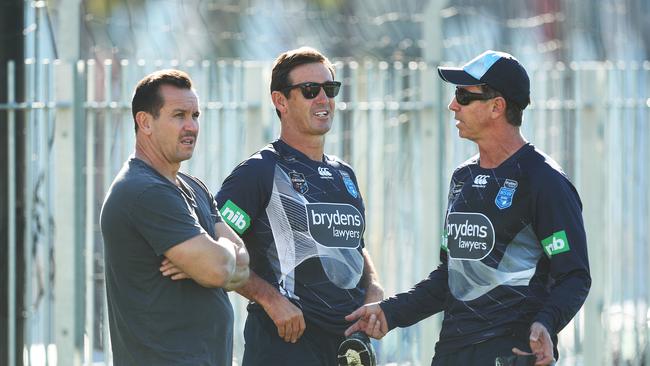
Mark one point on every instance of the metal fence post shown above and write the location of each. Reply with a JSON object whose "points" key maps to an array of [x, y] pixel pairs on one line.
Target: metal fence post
{"points": [[590, 121], [11, 208], [68, 281], [29, 168], [67, 252], [644, 80], [433, 178], [432, 182], [255, 107], [89, 229]]}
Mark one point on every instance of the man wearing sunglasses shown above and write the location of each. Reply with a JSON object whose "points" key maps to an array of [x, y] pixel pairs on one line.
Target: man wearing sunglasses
{"points": [[301, 215], [514, 268]]}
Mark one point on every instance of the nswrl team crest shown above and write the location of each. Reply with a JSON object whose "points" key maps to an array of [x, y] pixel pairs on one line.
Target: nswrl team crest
{"points": [[349, 184], [506, 193], [298, 182]]}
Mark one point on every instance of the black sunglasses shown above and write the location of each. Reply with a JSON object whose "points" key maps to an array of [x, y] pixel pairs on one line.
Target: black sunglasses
{"points": [[310, 89], [464, 97]]}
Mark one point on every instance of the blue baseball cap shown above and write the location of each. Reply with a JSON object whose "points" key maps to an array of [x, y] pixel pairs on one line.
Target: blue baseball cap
{"points": [[499, 70]]}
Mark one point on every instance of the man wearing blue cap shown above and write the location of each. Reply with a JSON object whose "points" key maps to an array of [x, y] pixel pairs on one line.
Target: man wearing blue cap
{"points": [[514, 268]]}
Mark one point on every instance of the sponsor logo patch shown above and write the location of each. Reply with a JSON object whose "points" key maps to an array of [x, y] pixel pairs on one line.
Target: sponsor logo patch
{"points": [[349, 184], [556, 244], [470, 235], [235, 217], [504, 197], [480, 181], [335, 225], [298, 182], [324, 173]]}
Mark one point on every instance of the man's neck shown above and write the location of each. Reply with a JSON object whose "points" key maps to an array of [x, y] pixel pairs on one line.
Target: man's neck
{"points": [[496, 149], [157, 162], [312, 146]]}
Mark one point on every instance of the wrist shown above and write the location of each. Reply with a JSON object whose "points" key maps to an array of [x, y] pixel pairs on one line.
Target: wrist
{"points": [[374, 292], [268, 297]]}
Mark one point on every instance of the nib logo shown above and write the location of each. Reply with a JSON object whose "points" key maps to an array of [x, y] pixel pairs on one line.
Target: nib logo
{"points": [[237, 218], [556, 244]]}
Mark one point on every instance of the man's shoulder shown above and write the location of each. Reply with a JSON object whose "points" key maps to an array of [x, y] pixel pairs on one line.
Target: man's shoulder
{"points": [[472, 161], [133, 179], [337, 162], [195, 182], [541, 166], [134, 185], [544, 175], [255, 172], [264, 158]]}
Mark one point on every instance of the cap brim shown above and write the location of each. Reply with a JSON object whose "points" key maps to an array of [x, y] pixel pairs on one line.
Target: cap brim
{"points": [[457, 76]]}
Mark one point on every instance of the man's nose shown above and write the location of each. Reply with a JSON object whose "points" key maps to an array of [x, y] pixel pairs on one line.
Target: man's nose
{"points": [[321, 97], [191, 124], [453, 105]]}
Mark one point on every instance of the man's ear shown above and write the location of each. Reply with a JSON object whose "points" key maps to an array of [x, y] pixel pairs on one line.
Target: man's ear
{"points": [[144, 119], [279, 101], [499, 105]]}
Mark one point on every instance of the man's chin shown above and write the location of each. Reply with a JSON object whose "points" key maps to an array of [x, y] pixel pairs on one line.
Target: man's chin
{"points": [[323, 128], [185, 156]]}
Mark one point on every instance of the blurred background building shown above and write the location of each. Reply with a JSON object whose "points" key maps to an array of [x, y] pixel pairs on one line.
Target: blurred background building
{"points": [[68, 67]]}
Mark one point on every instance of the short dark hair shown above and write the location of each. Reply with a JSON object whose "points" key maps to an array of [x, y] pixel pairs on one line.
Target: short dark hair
{"points": [[514, 114], [288, 61], [147, 98]]}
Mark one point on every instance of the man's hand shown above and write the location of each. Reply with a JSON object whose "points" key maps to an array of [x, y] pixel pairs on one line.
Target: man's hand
{"points": [[369, 319], [169, 269], [540, 344], [287, 317], [241, 269]]}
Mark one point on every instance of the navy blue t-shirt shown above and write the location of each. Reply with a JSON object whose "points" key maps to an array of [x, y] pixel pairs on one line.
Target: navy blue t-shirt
{"points": [[153, 319], [303, 223], [514, 252]]}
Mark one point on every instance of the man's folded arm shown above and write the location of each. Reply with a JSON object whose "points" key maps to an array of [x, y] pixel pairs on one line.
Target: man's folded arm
{"points": [[209, 262]]}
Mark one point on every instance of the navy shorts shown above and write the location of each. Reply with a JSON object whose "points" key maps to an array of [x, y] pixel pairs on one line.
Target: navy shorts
{"points": [[263, 346], [484, 353]]}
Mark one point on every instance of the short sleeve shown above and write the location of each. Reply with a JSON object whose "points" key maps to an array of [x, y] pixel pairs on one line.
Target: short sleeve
{"points": [[164, 218], [245, 194]]}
